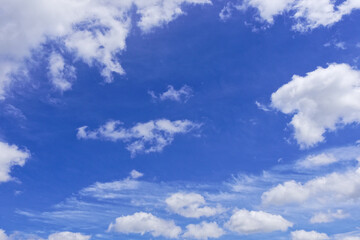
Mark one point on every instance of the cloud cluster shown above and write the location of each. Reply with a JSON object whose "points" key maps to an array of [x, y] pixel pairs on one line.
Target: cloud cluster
{"points": [[304, 235], [321, 101], [142, 223], [328, 216], [331, 187], [191, 205], [147, 137], [246, 222], [93, 31], [10, 156], [204, 230], [308, 14]]}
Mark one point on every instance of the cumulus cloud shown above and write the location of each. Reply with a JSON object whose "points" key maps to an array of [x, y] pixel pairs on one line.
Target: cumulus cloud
{"points": [[3, 235], [147, 137], [191, 205], [61, 74], [331, 187], [68, 236], [307, 14], [204, 230], [247, 222], [328, 216], [10, 156], [303, 235], [142, 223], [181, 95], [94, 31], [321, 101]]}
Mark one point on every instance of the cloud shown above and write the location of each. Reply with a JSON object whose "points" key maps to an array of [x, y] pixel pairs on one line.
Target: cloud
{"points": [[54, 236], [181, 95], [93, 31], [3, 235], [321, 101], [68, 236], [303, 235], [336, 186], [109, 190], [319, 160], [328, 216], [135, 174], [61, 74], [307, 14], [204, 230], [247, 222], [10, 156], [147, 137], [191, 205], [262, 106], [142, 223]]}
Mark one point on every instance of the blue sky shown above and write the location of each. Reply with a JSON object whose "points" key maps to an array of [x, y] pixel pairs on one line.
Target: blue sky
{"points": [[179, 119]]}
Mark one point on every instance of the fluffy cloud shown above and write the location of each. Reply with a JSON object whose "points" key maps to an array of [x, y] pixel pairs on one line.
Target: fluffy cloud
{"points": [[147, 137], [61, 74], [303, 235], [191, 205], [320, 102], [10, 155], [142, 223], [328, 216], [3, 235], [181, 95], [203, 230], [68, 236], [332, 187], [308, 14], [94, 31], [247, 222]]}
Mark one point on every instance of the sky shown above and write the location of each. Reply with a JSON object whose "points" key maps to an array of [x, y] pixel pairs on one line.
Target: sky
{"points": [[179, 119]]}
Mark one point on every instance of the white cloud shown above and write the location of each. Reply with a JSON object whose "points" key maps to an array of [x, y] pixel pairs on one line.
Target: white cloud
{"points": [[204, 230], [247, 222], [336, 187], [226, 12], [328, 216], [10, 156], [147, 137], [68, 236], [262, 106], [54, 236], [110, 190], [135, 174], [303, 235], [3, 235], [61, 74], [95, 31], [321, 101], [307, 14], [142, 223], [181, 95], [319, 160], [191, 205]]}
